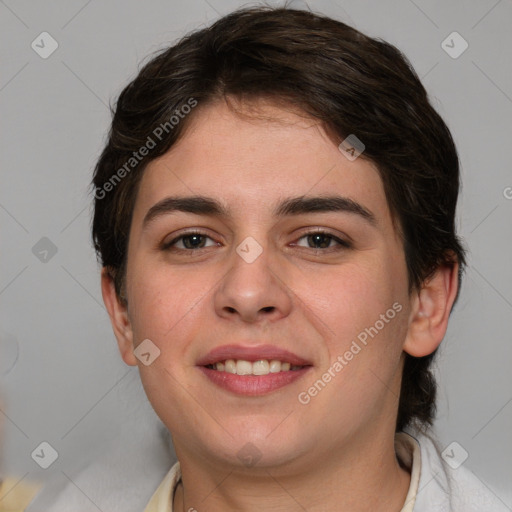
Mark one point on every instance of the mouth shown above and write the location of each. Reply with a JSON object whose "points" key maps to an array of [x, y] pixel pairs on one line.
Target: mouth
{"points": [[252, 371]]}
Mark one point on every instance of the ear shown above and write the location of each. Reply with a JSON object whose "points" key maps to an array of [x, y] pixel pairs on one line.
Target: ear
{"points": [[118, 318], [430, 311]]}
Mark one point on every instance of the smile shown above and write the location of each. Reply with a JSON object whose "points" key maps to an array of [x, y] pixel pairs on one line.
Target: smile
{"points": [[252, 370]]}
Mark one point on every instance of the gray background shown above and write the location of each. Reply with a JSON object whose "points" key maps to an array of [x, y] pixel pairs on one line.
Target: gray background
{"points": [[62, 379]]}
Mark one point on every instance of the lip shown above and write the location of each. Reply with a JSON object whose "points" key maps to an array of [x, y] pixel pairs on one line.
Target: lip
{"points": [[253, 385], [251, 353]]}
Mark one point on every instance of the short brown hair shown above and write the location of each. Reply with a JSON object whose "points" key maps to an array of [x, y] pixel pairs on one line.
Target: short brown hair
{"points": [[351, 83]]}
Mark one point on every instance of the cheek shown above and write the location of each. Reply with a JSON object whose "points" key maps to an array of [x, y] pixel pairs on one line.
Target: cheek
{"points": [[352, 297], [359, 382], [364, 309], [162, 299], [167, 308]]}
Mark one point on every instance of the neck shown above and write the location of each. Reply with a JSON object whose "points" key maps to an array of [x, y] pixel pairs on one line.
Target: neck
{"points": [[359, 477]]}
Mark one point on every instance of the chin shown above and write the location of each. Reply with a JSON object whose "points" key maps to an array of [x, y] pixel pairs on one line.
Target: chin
{"points": [[259, 448]]}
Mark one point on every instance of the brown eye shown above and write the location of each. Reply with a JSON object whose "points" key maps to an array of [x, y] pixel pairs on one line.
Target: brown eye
{"points": [[193, 241], [322, 240], [188, 242]]}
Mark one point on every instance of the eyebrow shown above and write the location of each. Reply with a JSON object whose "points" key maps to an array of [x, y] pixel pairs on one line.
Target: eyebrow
{"points": [[201, 205]]}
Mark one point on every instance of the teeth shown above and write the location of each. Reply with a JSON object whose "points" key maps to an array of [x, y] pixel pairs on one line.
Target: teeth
{"points": [[243, 367], [275, 366], [261, 367], [230, 366]]}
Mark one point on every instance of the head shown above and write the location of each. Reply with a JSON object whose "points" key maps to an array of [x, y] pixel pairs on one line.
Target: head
{"points": [[250, 112]]}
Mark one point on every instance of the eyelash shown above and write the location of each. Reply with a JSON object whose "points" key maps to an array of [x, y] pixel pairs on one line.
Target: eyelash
{"points": [[342, 244]]}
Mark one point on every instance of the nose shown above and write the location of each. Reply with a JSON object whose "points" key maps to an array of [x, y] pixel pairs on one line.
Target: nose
{"points": [[253, 290]]}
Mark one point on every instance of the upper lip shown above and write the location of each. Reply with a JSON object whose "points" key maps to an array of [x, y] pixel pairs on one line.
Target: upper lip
{"points": [[251, 353]]}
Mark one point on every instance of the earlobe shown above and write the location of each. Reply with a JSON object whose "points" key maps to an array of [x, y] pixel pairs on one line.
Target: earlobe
{"points": [[118, 318], [430, 312]]}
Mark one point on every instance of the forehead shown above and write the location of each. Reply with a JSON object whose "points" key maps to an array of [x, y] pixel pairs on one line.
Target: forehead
{"points": [[252, 157]]}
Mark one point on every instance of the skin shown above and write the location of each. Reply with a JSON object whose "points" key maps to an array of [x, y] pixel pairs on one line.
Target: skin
{"points": [[335, 453]]}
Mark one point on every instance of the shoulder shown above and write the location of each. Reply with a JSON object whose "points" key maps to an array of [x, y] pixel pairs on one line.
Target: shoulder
{"points": [[448, 485]]}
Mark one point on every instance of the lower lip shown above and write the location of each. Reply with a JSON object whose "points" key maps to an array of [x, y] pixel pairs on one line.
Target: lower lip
{"points": [[253, 385]]}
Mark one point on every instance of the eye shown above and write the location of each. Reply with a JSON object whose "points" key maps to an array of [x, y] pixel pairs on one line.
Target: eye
{"points": [[316, 240], [188, 242], [323, 240]]}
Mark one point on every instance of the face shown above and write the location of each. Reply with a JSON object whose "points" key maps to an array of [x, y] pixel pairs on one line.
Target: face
{"points": [[266, 269]]}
